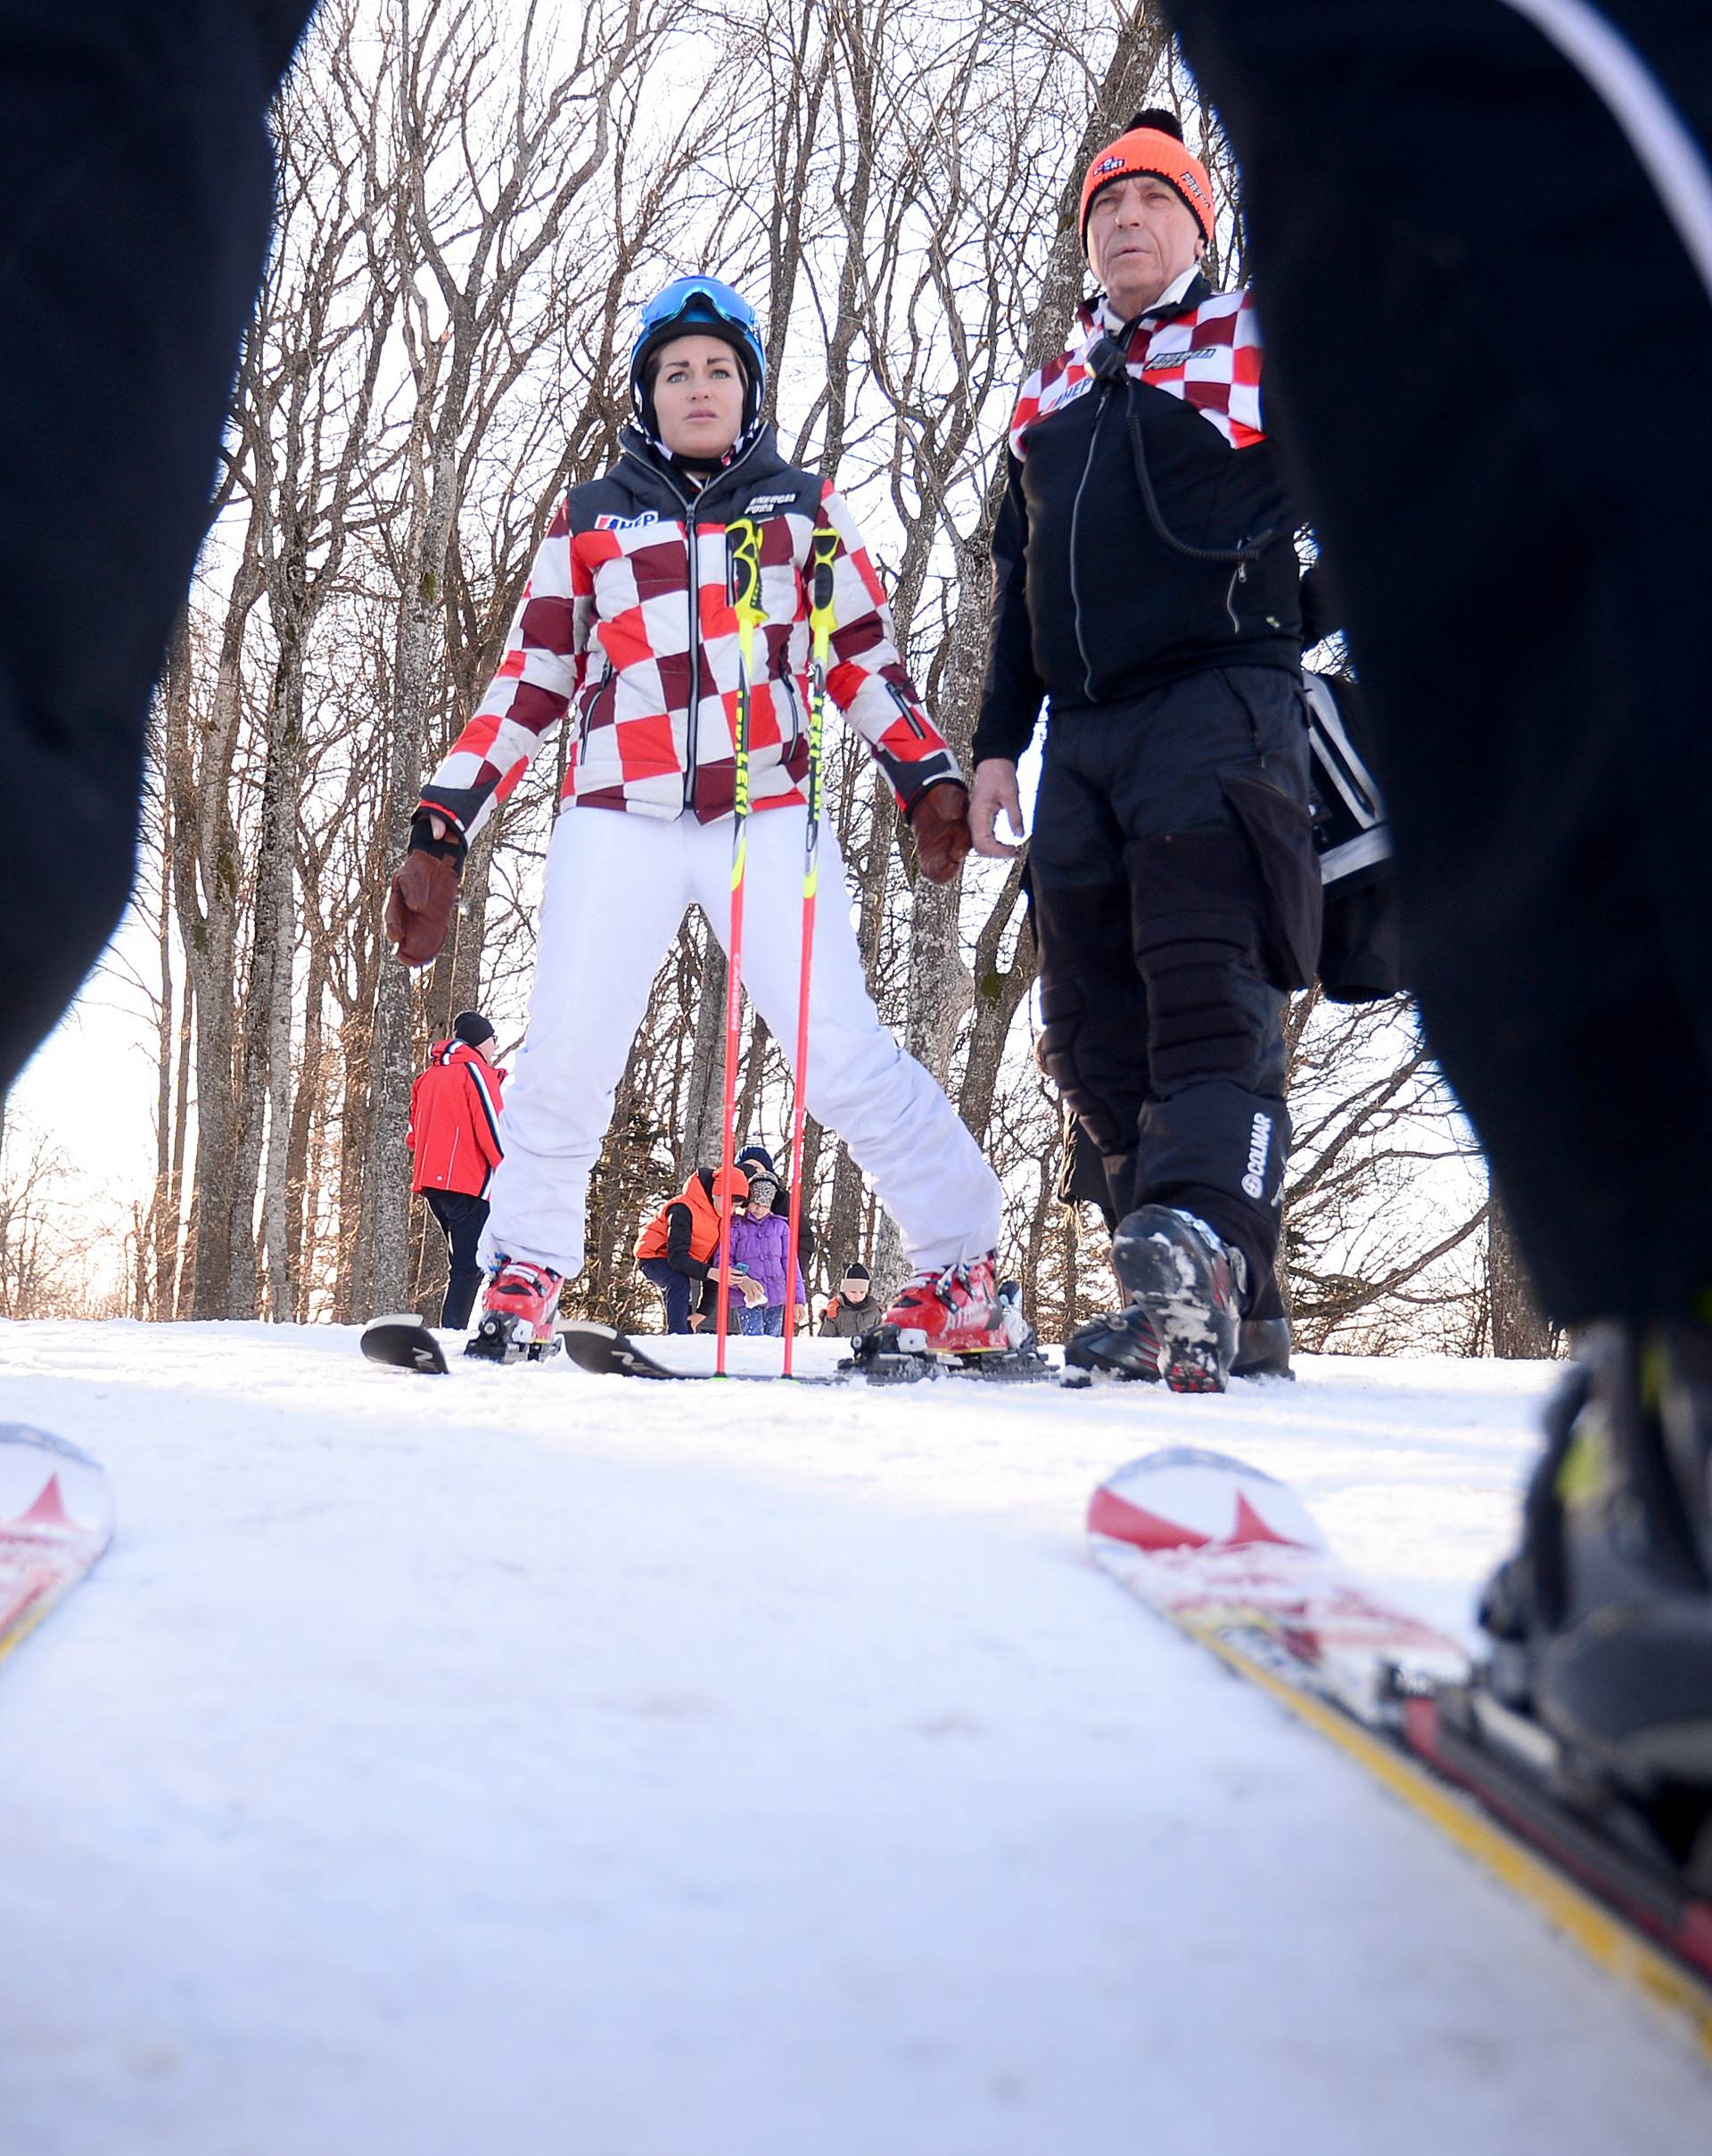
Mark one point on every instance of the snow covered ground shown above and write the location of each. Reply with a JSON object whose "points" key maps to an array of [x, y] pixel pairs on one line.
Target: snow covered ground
{"points": [[524, 1763]]}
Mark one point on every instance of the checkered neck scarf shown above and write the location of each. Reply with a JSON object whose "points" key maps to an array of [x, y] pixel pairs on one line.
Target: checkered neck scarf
{"points": [[699, 475], [1209, 354]]}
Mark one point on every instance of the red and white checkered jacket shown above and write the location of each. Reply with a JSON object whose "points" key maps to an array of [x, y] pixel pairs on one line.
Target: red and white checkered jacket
{"points": [[627, 624]]}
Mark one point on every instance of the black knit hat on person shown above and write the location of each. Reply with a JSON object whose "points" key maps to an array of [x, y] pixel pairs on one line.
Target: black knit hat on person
{"points": [[761, 1157], [471, 1028], [856, 1271]]}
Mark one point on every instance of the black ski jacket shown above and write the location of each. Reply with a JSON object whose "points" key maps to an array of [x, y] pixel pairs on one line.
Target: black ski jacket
{"points": [[1092, 604]]}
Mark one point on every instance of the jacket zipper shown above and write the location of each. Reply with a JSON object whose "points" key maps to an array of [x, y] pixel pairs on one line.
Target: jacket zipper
{"points": [[788, 683], [691, 726], [607, 680], [908, 710], [1075, 528]]}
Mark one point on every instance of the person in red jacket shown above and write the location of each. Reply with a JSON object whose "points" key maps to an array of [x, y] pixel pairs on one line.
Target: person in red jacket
{"points": [[455, 1135]]}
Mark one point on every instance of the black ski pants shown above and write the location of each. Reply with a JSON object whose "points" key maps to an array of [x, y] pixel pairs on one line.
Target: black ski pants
{"points": [[676, 1291], [1176, 898], [1488, 353], [462, 1217], [136, 191]]}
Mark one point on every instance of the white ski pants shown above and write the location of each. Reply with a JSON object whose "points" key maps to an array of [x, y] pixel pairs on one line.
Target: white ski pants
{"points": [[617, 887]]}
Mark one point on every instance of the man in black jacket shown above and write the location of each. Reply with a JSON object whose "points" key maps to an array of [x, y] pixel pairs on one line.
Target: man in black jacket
{"points": [[1519, 533], [1145, 586]]}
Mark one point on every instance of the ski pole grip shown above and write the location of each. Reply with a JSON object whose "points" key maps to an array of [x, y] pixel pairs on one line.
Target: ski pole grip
{"points": [[823, 552], [743, 545]]}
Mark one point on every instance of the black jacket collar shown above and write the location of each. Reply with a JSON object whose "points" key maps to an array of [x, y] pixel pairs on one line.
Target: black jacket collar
{"points": [[759, 460]]}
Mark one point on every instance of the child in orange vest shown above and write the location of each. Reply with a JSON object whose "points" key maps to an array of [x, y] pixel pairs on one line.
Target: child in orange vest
{"points": [[679, 1250]]}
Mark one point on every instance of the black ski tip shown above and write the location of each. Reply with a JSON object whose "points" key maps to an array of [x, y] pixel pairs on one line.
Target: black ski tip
{"points": [[607, 1352], [403, 1342]]}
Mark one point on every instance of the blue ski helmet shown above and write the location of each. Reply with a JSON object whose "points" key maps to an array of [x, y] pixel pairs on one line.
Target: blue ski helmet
{"points": [[685, 306]]}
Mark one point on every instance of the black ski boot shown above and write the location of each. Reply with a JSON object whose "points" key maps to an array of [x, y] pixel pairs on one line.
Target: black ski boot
{"points": [[1602, 1622], [1187, 1286], [1122, 1343], [1263, 1349]]}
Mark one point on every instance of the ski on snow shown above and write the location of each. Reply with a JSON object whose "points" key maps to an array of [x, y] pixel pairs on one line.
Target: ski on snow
{"points": [[56, 1518], [406, 1343], [1236, 1562], [605, 1353]]}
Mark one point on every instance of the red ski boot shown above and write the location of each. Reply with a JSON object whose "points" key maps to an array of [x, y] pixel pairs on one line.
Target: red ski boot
{"points": [[517, 1313], [955, 1311]]}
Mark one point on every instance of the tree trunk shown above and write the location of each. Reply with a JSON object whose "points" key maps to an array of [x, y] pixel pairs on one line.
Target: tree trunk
{"points": [[353, 1278], [174, 1259], [384, 1271], [819, 1270], [843, 1239], [890, 1263], [298, 1165], [264, 1093], [999, 992], [699, 1143], [205, 853], [1520, 1330], [163, 1213], [754, 1066]]}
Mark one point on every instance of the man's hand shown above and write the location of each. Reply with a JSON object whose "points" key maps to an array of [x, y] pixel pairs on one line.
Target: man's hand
{"points": [[995, 789], [940, 819], [424, 894]]}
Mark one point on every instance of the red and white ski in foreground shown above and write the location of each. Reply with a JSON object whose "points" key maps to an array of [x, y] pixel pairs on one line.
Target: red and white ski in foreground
{"points": [[1236, 1562], [56, 1518]]}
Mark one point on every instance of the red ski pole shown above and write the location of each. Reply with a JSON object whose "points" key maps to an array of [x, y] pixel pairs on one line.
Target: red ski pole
{"points": [[743, 551], [822, 553]]}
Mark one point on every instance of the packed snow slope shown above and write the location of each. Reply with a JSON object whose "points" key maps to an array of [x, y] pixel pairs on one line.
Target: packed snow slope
{"points": [[526, 1762]]}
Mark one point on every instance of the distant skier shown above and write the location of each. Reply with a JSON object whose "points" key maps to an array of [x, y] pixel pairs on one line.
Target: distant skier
{"points": [[1456, 203], [1145, 582], [851, 1311], [455, 1135], [760, 1245], [679, 1250], [628, 623]]}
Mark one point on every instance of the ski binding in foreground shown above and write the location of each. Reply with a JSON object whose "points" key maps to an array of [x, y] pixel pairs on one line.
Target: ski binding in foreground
{"points": [[56, 1518], [1236, 1562]]}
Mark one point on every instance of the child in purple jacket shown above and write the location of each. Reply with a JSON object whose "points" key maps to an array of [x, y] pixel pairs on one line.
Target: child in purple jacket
{"points": [[761, 1247]]}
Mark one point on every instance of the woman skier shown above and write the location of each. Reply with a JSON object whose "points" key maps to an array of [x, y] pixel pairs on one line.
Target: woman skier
{"points": [[627, 628]]}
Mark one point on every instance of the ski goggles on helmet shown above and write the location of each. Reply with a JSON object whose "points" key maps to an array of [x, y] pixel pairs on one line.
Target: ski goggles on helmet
{"points": [[686, 301], [675, 301]]}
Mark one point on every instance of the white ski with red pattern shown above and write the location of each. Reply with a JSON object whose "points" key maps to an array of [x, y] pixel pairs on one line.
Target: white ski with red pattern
{"points": [[56, 1518]]}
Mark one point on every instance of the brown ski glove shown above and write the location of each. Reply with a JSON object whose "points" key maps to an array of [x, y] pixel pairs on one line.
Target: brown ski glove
{"points": [[424, 893], [939, 821]]}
